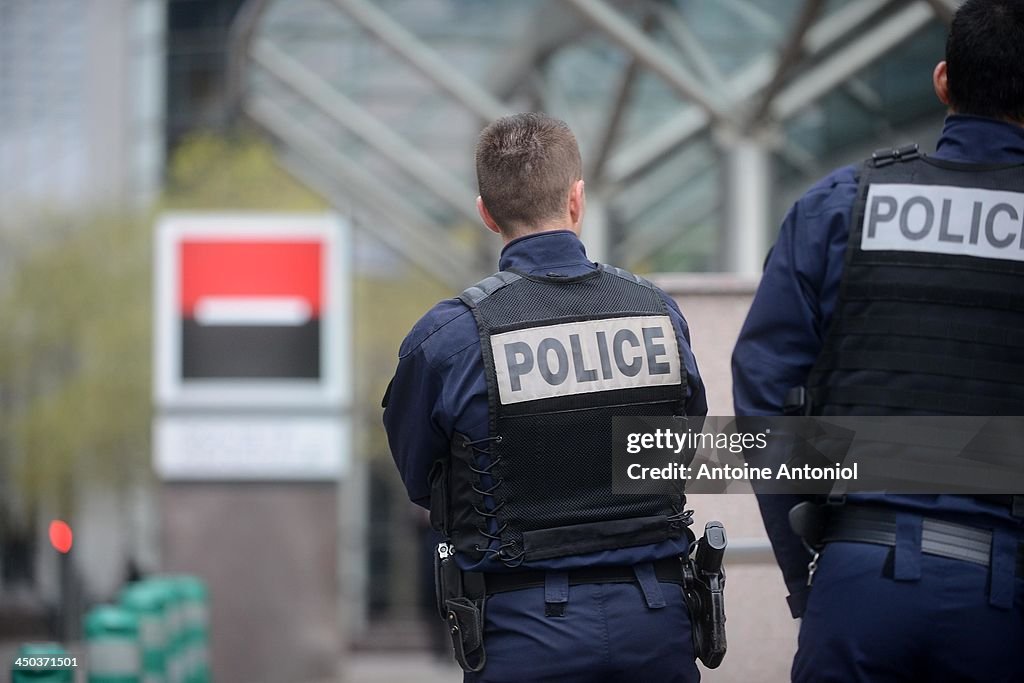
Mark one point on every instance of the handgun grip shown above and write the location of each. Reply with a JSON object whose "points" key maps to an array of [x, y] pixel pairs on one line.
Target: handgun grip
{"points": [[711, 548]]}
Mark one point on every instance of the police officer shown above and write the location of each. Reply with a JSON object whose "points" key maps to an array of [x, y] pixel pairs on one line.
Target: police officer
{"points": [[895, 289], [499, 419]]}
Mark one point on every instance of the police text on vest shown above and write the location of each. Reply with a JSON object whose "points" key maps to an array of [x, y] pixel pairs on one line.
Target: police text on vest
{"points": [[941, 219], [584, 357]]}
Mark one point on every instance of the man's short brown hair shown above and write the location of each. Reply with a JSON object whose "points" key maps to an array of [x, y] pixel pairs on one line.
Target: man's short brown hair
{"points": [[525, 166]]}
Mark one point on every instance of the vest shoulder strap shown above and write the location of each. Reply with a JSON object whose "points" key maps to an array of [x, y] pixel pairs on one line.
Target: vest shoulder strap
{"points": [[625, 275], [472, 296]]}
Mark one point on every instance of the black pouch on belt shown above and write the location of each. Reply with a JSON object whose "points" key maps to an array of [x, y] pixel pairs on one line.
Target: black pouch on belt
{"points": [[807, 519], [466, 626], [461, 610]]}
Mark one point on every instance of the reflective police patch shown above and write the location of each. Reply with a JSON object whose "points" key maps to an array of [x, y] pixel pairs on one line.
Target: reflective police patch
{"points": [[940, 219], [584, 357]]}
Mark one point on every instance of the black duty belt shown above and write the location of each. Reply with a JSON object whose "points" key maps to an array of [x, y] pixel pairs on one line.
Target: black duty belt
{"points": [[1014, 502], [669, 570], [938, 537]]}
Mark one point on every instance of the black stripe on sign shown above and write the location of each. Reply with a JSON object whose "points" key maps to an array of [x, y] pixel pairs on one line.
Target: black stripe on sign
{"points": [[250, 351]]}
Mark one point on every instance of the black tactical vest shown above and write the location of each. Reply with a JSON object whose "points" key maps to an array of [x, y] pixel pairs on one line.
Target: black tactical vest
{"points": [[930, 318], [562, 356]]}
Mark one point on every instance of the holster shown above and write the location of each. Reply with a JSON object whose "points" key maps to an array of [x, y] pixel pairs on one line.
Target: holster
{"points": [[460, 603], [807, 519], [797, 403], [704, 591]]}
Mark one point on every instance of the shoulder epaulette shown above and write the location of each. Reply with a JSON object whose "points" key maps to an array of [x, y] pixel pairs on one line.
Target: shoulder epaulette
{"points": [[884, 157]]}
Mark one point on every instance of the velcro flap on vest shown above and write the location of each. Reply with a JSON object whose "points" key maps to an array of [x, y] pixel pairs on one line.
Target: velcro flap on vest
{"points": [[577, 539]]}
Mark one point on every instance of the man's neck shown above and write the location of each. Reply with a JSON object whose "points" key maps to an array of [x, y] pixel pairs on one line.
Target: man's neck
{"points": [[553, 227]]}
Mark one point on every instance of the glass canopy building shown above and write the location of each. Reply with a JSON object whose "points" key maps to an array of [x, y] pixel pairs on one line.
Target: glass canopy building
{"points": [[699, 122]]}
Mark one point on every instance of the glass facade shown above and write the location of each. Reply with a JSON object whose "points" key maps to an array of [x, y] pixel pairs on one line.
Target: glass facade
{"points": [[860, 79]]}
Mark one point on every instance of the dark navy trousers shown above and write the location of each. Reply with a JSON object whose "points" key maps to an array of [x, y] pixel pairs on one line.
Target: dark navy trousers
{"points": [[607, 634], [864, 625]]}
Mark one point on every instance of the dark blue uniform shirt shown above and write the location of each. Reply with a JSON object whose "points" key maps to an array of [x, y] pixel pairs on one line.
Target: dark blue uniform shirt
{"points": [[793, 307], [439, 389]]}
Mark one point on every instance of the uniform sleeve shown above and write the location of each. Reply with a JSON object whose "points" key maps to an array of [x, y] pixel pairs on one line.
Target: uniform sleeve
{"points": [[696, 398], [782, 337], [411, 405]]}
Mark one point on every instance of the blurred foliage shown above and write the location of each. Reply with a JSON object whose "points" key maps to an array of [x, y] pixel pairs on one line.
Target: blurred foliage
{"points": [[385, 310], [214, 173], [76, 319], [74, 354]]}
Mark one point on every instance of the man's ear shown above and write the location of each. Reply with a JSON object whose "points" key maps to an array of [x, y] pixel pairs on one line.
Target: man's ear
{"points": [[577, 204], [940, 81], [486, 217]]}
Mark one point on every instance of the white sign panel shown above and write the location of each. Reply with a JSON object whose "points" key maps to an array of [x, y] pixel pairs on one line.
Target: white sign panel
{"points": [[940, 219], [241, 448]]}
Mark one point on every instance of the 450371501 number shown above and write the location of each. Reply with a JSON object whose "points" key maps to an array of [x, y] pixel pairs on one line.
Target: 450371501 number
{"points": [[46, 662]]}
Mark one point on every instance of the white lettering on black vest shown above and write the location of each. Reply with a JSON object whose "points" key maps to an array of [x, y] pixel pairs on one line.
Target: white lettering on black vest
{"points": [[940, 219], [584, 357]]}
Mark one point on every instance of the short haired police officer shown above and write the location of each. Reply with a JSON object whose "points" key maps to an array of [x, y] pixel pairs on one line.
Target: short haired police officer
{"points": [[895, 288], [499, 419]]}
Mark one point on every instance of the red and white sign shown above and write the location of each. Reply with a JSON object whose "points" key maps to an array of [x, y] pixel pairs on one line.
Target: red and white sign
{"points": [[251, 280], [250, 311]]}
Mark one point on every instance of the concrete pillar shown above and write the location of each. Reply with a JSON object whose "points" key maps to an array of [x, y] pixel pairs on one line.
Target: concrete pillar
{"points": [[353, 565], [743, 240], [595, 229], [269, 553]]}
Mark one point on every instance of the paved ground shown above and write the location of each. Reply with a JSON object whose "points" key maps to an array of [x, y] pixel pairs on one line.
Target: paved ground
{"points": [[400, 668]]}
